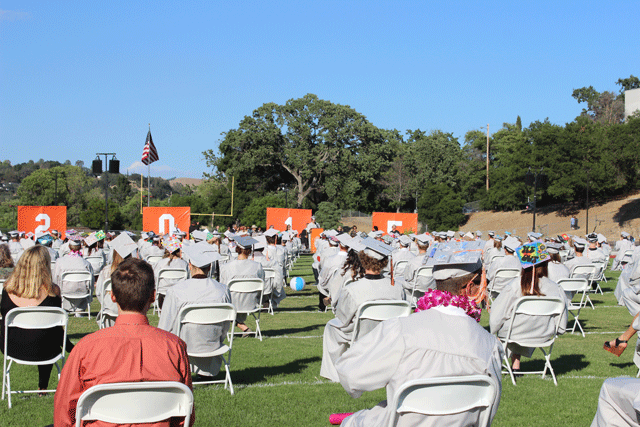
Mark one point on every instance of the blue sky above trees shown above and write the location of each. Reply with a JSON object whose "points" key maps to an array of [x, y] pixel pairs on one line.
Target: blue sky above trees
{"points": [[80, 78]]}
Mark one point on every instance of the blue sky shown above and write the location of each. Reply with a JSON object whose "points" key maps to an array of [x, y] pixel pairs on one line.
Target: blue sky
{"points": [[78, 77]]}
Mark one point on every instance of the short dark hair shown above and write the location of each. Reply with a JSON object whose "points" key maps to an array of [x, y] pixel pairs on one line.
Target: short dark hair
{"points": [[133, 284]]}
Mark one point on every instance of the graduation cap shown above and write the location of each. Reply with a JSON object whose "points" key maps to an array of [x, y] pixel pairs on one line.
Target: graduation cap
{"points": [[200, 255], [625, 234], [271, 232], [330, 233], [262, 242], [592, 238], [554, 248], [404, 240], [245, 242], [91, 239], [478, 233], [601, 238], [286, 236], [491, 233], [423, 238], [579, 243], [376, 249], [171, 244], [459, 264], [450, 233], [511, 244], [100, 235], [124, 245], [533, 253]]}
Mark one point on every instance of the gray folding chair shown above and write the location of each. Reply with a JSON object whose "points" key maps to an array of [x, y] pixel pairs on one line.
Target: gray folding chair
{"points": [[79, 276], [535, 306], [254, 287], [374, 312], [442, 396], [573, 287], [222, 314]]}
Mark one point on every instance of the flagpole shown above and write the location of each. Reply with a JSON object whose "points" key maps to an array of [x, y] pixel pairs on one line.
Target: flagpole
{"points": [[148, 178]]}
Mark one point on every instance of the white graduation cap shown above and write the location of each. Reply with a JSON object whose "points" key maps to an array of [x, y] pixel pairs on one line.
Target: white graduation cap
{"points": [[404, 240], [330, 233], [511, 243], [124, 245], [376, 249], [423, 238], [456, 265], [262, 242], [199, 255], [579, 243], [271, 232], [285, 236], [245, 242]]}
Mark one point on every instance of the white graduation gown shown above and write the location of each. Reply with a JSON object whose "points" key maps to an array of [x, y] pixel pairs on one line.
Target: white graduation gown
{"points": [[330, 266], [242, 269], [618, 403], [525, 325], [274, 286], [629, 277], [338, 331], [508, 261], [199, 338], [450, 343], [557, 271], [73, 263], [106, 304], [402, 254], [410, 276], [595, 255]]}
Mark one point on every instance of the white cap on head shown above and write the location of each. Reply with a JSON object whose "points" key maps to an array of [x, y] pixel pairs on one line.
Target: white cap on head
{"points": [[376, 249], [199, 255], [124, 245], [456, 265]]}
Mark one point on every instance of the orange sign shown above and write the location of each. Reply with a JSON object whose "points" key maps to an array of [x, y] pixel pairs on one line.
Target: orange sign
{"points": [[38, 219], [281, 217], [402, 221], [315, 232], [164, 220]]}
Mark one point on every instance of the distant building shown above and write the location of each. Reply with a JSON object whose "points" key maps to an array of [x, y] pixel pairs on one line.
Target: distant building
{"points": [[631, 102]]}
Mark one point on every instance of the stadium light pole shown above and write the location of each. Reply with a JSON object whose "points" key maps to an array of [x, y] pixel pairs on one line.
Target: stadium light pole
{"points": [[487, 155], [113, 167], [534, 179]]}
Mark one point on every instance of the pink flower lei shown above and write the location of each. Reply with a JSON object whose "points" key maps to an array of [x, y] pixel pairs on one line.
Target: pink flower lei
{"points": [[435, 297]]}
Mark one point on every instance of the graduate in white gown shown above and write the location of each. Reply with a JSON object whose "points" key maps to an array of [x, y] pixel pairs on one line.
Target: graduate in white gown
{"points": [[172, 258], [338, 331], [410, 276], [402, 254], [198, 289], [532, 282], [242, 268], [73, 261], [623, 245], [331, 266], [273, 287], [619, 403], [351, 271], [579, 245], [510, 260], [437, 341], [556, 269]]}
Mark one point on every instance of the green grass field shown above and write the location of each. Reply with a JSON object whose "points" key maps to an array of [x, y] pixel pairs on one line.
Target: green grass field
{"points": [[277, 381]]}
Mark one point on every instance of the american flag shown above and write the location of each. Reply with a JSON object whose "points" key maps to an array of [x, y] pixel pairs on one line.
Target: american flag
{"points": [[149, 154]]}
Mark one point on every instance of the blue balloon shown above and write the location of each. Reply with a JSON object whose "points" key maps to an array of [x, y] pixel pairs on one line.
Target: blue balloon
{"points": [[297, 283]]}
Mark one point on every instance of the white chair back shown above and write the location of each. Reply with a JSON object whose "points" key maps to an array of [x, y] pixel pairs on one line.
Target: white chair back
{"points": [[508, 273], [135, 403], [374, 312], [399, 267], [538, 306], [31, 318], [172, 274], [443, 396], [97, 262], [425, 271], [587, 271], [153, 259]]}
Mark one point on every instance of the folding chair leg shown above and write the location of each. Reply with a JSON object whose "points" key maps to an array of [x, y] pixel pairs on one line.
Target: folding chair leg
{"points": [[228, 379], [638, 375], [589, 300], [508, 365], [547, 363]]}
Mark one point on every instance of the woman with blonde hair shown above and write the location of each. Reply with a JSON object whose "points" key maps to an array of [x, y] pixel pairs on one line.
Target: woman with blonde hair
{"points": [[30, 286]]}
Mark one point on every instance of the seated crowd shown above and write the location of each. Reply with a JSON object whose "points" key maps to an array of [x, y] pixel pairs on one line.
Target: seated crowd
{"points": [[445, 279]]}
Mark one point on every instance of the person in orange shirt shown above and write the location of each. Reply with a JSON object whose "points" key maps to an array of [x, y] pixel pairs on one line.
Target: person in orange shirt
{"points": [[129, 351]]}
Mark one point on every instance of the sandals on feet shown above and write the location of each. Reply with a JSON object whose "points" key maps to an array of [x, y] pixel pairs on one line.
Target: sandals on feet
{"points": [[617, 349]]}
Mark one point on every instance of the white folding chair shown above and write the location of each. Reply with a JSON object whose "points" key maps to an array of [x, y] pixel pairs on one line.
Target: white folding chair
{"points": [[535, 306], [153, 259], [587, 271], [172, 275], [31, 318], [249, 286], [97, 262], [424, 272], [398, 269], [574, 287], [269, 277], [135, 402], [599, 275], [442, 396], [105, 314], [502, 273], [222, 314], [564, 253], [375, 312], [80, 276]]}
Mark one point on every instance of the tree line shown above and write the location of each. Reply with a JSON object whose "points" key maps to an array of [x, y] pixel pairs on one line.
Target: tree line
{"points": [[312, 153]]}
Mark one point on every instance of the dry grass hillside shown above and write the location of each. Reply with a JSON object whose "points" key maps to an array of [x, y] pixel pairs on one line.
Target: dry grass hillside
{"points": [[608, 218]]}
